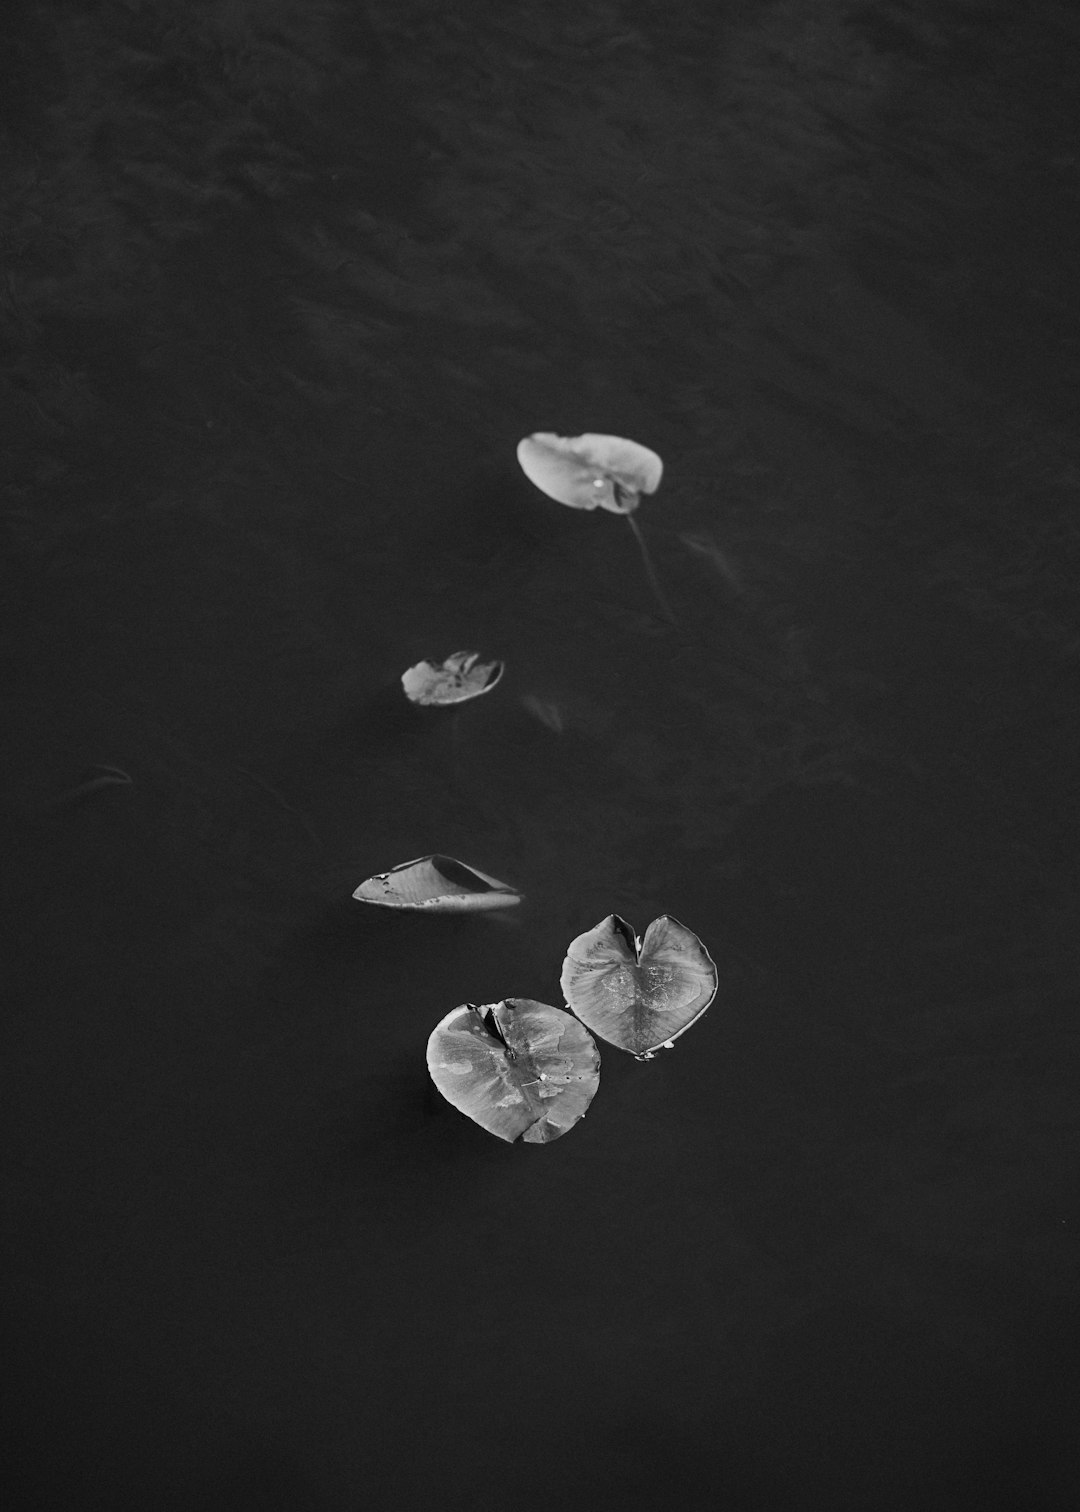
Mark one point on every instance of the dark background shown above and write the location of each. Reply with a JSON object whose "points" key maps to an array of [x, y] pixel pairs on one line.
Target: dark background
{"points": [[284, 283]]}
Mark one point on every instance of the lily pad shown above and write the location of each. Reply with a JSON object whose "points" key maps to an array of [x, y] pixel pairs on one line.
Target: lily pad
{"points": [[437, 884], [460, 677], [597, 472], [590, 471], [638, 994], [520, 1069]]}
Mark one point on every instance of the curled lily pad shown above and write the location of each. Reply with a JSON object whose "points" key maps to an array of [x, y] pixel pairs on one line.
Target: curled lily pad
{"points": [[638, 994], [520, 1069], [460, 677], [590, 471], [437, 884]]}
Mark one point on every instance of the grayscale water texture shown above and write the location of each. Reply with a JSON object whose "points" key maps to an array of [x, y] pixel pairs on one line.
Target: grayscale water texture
{"points": [[284, 283]]}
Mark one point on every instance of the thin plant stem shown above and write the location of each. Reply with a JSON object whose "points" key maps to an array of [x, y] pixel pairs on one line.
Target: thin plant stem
{"points": [[109, 776], [650, 571]]}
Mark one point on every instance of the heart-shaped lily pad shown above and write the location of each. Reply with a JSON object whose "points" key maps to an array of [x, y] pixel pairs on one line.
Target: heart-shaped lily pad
{"points": [[638, 994], [520, 1069]]}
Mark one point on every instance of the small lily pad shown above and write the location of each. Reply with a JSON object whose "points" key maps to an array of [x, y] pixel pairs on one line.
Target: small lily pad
{"points": [[638, 994], [437, 884], [520, 1069], [590, 471], [460, 677]]}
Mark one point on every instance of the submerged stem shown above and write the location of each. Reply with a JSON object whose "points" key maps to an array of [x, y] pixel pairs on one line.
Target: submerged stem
{"points": [[108, 776], [650, 571]]}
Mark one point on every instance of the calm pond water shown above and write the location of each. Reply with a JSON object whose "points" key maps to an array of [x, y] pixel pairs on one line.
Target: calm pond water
{"points": [[285, 286]]}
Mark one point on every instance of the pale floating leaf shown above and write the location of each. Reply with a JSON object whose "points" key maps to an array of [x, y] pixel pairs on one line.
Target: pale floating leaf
{"points": [[520, 1069], [590, 471], [437, 884], [460, 677], [638, 994]]}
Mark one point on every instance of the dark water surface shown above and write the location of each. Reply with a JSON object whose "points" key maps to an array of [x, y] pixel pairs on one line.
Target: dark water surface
{"points": [[284, 285]]}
